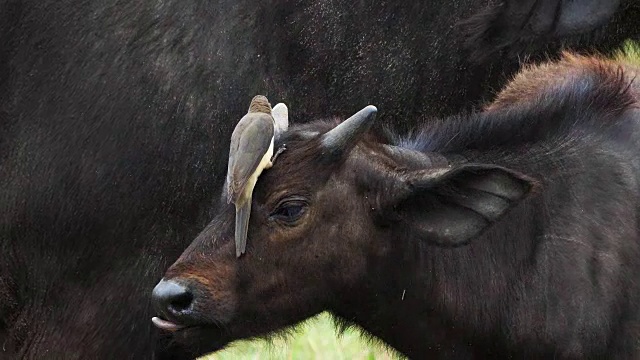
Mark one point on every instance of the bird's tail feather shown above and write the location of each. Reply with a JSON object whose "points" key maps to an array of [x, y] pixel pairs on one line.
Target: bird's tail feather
{"points": [[242, 226]]}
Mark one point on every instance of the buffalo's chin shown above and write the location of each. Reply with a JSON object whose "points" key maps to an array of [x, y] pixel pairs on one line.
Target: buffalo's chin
{"points": [[201, 340]]}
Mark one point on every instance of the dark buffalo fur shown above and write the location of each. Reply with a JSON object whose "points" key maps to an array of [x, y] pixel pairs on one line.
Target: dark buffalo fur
{"points": [[518, 26], [115, 119], [388, 238]]}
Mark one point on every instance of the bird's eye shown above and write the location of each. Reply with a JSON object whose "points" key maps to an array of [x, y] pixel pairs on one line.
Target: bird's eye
{"points": [[290, 211]]}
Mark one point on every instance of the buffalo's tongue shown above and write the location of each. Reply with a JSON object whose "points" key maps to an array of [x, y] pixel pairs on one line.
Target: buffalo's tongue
{"points": [[165, 325]]}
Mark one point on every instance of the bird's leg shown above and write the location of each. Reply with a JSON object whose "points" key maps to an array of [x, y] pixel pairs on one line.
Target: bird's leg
{"points": [[280, 150]]}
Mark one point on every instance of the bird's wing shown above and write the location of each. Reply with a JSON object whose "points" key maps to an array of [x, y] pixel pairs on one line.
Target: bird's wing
{"points": [[249, 143]]}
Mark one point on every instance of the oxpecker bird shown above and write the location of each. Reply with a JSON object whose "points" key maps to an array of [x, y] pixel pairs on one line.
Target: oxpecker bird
{"points": [[250, 153]]}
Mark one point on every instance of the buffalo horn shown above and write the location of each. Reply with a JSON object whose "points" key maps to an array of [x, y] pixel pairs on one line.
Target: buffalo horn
{"points": [[344, 135]]}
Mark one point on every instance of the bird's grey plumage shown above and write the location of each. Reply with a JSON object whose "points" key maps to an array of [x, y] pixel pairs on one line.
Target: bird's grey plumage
{"points": [[249, 142], [250, 153]]}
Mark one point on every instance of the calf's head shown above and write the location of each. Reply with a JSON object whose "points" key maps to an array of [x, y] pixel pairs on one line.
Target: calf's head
{"points": [[327, 222]]}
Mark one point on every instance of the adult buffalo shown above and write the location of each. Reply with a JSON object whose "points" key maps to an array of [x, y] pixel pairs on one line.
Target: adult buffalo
{"points": [[115, 118], [512, 233]]}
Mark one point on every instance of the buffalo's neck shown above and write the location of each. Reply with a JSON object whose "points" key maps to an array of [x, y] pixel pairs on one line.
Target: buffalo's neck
{"points": [[390, 305], [386, 316], [398, 315], [430, 301]]}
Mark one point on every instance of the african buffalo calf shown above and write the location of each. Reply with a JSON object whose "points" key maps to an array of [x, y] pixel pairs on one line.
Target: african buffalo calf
{"points": [[115, 118], [509, 233]]}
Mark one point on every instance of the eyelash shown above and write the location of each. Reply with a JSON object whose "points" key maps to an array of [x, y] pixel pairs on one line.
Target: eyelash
{"points": [[290, 210]]}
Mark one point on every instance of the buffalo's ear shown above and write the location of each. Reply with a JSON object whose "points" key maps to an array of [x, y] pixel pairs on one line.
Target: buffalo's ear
{"points": [[451, 206]]}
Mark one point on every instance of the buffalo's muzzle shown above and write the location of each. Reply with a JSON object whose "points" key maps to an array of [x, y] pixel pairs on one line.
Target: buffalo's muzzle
{"points": [[174, 301]]}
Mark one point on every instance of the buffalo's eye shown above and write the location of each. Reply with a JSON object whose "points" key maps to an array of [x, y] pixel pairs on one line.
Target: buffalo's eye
{"points": [[290, 211]]}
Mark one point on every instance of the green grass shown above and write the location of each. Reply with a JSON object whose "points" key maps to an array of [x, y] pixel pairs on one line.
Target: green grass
{"points": [[316, 339], [630, 52]]}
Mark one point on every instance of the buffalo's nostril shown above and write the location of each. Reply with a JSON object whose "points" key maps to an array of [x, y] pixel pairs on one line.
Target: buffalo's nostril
{"points": [[172, 298], [181, 302]]}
